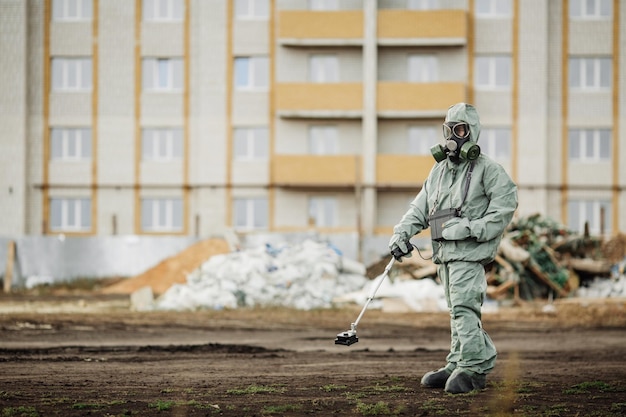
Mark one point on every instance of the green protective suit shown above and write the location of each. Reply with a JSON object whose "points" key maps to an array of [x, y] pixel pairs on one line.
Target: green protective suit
{"points": [[471, 240]]}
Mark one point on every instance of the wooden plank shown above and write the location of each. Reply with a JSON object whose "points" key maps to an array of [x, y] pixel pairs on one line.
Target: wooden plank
{"points": [[8, 274]]}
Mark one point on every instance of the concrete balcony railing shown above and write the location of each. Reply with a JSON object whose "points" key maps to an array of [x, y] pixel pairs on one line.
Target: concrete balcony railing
{"points": [[402, 170], [428, 27], [401, 99], [394, 27], [304, 27], [315, 170], [345, 100], [319, 100]]}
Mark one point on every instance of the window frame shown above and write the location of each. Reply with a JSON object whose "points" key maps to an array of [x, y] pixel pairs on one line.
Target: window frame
{"points": [[256, 71], [254, 208], [80, 68], [422, 4], [252, 11], [494, 62], [162, 144], [493, 12], [72, 211], [323, 139], [61, 8], [68, 138], [583, 63], [173, 14], [420, 139], [423, 68], [324, 68], [162, 222], [253, 140], [155, 68], [323, 5], [491, 144], [577, 209], [580, 138], [578, 10], [322, 211]]}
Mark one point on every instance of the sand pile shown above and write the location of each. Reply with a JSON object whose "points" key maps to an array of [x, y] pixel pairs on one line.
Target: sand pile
{"points": [[173, 270]]}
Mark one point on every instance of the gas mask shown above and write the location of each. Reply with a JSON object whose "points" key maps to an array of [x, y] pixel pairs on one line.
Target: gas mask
{"points": [[458, 144]]}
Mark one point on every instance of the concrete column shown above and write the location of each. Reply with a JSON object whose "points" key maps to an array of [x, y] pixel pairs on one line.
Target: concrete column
{"points": [[369, 149], [13, 102]]}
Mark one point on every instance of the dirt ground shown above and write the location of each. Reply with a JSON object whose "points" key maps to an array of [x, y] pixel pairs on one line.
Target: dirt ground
{"points": [[80, 355]]}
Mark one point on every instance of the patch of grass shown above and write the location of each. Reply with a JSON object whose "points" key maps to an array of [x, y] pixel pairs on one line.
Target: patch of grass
{"points": [[256, 389], [557, 410], [433, 406], [588, 387], [20, 411], [85, 406], [618, 407], [381, 408], [162, 405], [390, 388], [333, 387], [279, 409]]}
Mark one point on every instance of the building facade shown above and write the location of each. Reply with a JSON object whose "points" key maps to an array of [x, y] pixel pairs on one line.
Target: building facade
{"points": [[193, 117]]}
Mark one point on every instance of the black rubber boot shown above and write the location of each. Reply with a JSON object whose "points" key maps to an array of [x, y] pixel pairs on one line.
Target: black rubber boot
{"points": [[436, 379], [463, 381]]}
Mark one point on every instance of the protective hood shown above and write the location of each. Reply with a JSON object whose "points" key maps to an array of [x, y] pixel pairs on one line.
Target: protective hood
{"points": [[463, 112]]}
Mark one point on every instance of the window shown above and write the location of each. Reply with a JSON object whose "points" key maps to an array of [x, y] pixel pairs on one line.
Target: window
{"points": [[162, 74], [250, 213], [493, 72], [70, 144], [496, 142], [323, 69], [590, 145], [590, 73], [71, 74], [72, 10], [251, 143], [595, 212], [423, 69], [163, 10], [252, 9], [251, 73], [590, 9], [323, 5], [70, 214], [323, 140], [161, 144], [421, 139], [422, 4], [493, 8], [161, 214], [323, 211]]}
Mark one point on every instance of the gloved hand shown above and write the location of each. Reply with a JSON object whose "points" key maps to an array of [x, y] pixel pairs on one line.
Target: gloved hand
{"points": [[457, 228], [401, 242]]}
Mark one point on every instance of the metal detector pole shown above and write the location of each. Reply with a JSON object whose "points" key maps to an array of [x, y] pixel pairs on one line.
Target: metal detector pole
{"points": [[373, 293]]}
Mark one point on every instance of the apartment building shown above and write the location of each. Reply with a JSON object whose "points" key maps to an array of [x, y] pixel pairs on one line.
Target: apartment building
{"points": [[192, 117]]}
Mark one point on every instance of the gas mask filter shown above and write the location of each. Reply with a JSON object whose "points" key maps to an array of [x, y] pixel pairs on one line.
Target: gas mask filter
{"points": [[458, 144]]}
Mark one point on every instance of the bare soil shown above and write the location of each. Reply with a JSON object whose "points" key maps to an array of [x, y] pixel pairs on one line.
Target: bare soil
{"points": [[88, 354]]}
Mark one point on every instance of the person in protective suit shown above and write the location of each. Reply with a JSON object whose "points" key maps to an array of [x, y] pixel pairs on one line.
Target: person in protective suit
{"points": [[467, 201]]}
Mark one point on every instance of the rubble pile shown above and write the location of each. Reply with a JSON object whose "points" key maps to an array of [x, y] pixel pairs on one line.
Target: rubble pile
{"points": [[305, 276]]}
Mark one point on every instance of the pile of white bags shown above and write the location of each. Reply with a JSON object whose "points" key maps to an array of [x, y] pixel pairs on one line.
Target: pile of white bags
{"points": [[305, 276]]}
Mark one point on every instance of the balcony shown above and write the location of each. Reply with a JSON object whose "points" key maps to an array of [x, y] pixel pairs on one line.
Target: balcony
{"points": [[320, 28], [336, 100], [409, 100], [432, 27], [315, 170], [402, 170]]}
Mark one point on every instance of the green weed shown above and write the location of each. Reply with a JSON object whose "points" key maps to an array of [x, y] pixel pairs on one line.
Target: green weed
{"points": [[20, 411], [587, 387], [162, 405], [333, 387], [381, 408], [279, 409], [256, 389]]}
